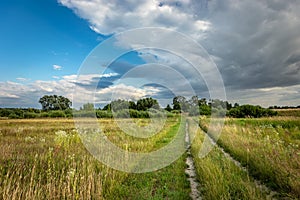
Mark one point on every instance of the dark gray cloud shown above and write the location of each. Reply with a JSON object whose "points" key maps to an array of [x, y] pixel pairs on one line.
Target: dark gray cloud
{"points": [[256, 43]]}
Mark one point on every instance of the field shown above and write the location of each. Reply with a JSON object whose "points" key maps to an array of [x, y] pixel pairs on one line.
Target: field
{"points": [[268, 148], [45, 159]]}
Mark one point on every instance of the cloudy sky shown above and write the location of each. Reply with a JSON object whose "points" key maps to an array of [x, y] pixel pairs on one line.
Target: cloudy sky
{"points": [[60, 47]]}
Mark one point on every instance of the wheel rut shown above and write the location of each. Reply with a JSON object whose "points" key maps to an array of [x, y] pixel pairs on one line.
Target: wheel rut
{"points": [[270, 193], [191, 170]]}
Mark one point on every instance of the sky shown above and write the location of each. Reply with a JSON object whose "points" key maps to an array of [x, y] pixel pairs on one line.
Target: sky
{"points": [[250, 50]]}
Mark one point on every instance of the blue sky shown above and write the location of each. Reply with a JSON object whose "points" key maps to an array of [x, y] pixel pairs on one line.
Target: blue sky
{"points": [[255, 45], [36, 35]]}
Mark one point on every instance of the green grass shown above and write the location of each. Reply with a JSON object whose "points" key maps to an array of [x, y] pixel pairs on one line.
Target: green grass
{"points": [[294, 112], [167, 183], [268, 147], [219, 177], [45, 159]]}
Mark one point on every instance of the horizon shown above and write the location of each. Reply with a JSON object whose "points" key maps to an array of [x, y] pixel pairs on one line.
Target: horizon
{"points": [[101, 106], [47, 47]]}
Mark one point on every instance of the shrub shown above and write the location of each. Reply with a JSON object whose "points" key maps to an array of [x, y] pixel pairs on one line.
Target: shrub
{"points": [[13, 116], [69, 113], [122, 114], [250, 111], [176, 111], [44, 114], [103, 114], [57, 113], [30, 115]]}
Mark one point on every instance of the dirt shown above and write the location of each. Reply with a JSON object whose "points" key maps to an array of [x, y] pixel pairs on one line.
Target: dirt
{"points": [[190, 170]]}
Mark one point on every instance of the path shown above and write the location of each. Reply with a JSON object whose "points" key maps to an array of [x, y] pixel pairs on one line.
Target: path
{"points": [[190, 170]]}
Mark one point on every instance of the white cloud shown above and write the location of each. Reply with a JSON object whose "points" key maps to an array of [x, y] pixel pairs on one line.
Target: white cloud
{"points": [[27, 94], [57, 67], [87, 78], [108, 17], [8, 95], [22, 79], [120, 91]]}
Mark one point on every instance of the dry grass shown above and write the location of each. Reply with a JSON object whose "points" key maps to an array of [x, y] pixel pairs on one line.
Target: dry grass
{"points": [[45, 159], [268, 147], [219, 177]]}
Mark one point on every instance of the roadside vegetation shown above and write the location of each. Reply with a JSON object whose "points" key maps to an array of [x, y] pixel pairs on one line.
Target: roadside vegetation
{"points": [[267, 147], [219, 177]]}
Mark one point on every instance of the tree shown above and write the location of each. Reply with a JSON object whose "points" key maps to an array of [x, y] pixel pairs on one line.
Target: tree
{"points": [[180, 103], [118, 105], [107, 107], [147, 103], [54, 102], [168, 108], [250, 111], [132, 105], [88, 107], [202, 102], [194, 101]]}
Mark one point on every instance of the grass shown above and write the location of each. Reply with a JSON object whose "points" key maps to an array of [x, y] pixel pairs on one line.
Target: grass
{"points": [[219, 177], [45, 159], [288, 112], [268, 147]]}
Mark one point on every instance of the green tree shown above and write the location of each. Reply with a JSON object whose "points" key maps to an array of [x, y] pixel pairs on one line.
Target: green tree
{"points": [[180, 103], [88, 107], [107, 107], [118, 105], [132, 105], [250, 111], [168, 108], [54, 102], [147, 103]]}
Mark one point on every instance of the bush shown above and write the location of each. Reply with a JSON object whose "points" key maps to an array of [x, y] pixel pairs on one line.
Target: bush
{"points": [[103, 114], [44, 114], [122, 114], [30, 115], [13, 116], [57, 113], [69, 113], [156, 113], [84, 113], [250, 111], [170, 114], [176, 111], [204, 110], [4, 112], [134, 113]]}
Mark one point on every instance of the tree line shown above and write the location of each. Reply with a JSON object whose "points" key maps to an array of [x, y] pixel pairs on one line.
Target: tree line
{"points": [[59, 106]]}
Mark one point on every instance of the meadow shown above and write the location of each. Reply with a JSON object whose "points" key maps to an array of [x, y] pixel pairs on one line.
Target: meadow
{"points": [[45, 159], [267, 147]]}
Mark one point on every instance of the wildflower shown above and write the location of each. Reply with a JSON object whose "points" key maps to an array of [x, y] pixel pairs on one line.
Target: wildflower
{"points": [[29, 139]]}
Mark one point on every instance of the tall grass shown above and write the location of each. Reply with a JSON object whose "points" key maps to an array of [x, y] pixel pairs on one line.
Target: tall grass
{"points": [[45, 159], [219, 177], [268, 147]]}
